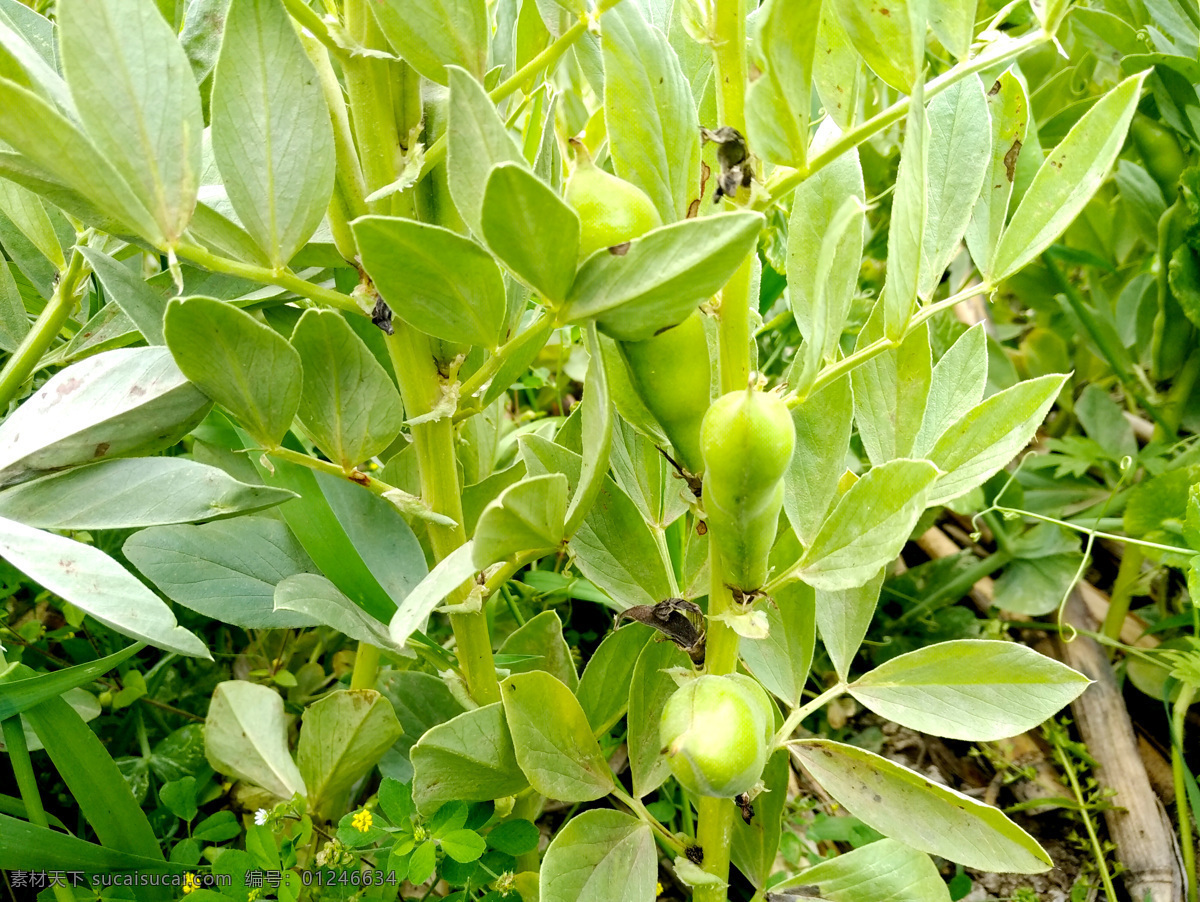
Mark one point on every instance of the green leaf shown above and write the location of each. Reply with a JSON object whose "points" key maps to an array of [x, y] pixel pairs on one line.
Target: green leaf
{"points": [[778, 101], [531, 229], [271, 133], [890, 391], [653, 129], [245, 736], [24, 846], [1067, 179], [449, 287], [463, 845], [956, 385], [97, 585], [953, 23], [597, 427], [138, 101], [29, 216], [553, 741], [92, 779], [421, 702], [820, 296], [663, 276], [516, 837], [882, 871], [476, 142], [122, 402], [890, 38], [434, 34], [971, 689], [226, 570], [469, 758], [614, 547], [869, 526], [342, 737], [528, 516], [599, 856], [348, 404], [1009, 111], [317, 600], [541, 639], [823, 424], [357, 539], [958, 161], [837, 69], [20, 693], [450, 573], [242, 364], [14, 321], [843, 616], [649, 690], [603, 690], [910, 212], [990, 434], [139, 302], [781, 661], [1037, 586], [140, 491], [932, 818]]}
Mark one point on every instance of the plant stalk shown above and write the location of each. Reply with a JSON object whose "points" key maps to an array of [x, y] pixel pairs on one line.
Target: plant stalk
{"points": [[283, 278], [1187, 692], [38, 339], [1122, 593]]}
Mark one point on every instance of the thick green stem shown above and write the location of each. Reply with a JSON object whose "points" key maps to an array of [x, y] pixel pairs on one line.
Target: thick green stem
{"points": [[371, 110], [421, 387], [38, 339], [714, 829], [1187, 692], [490, 367], [366, 667]]}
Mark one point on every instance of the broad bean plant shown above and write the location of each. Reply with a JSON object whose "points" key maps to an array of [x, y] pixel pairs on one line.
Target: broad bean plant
{"points": [[279, 278]]}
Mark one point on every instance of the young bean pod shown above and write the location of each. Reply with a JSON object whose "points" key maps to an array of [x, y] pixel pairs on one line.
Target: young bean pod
{"points": [[717, 732], [670, 373], [746, 439], [611, 210]]}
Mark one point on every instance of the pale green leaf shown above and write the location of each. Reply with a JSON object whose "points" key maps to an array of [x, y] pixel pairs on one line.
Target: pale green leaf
{"points": [[141, 303], [843, 616], [139, 491], [246, 736], [649, 690], [30, 217], [882, 871], [448, 286], [600, 856], [781, 661], [603, 690], [891, 37], [450, 573], [972, 689], [896, 801], [956, 386], [241, 363], [1009, 110], [138, 101], [823, 424], [869, 526], [343, 736], [959, 157], [348, 404], [96, 584], [469, 758], [271, 133], [990, 435], [528, 516], [122, 402], [531, 229], [778, 101], [226, 570], [541, 639], [890, 391], [653, 129], [317, 600], [434, 34], [837, 69], [953, 23], [1067, 179], [910, 212], [662, 277], [553, 740]]}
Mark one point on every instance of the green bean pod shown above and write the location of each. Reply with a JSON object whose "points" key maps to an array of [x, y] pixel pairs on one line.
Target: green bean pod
{"points": [[747, 440], [670, 373]]}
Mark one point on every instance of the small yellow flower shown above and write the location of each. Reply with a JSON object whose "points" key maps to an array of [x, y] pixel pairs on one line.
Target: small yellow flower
{"points": [[254, 894], [658, 890], [362, 821], [190, 883]]}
